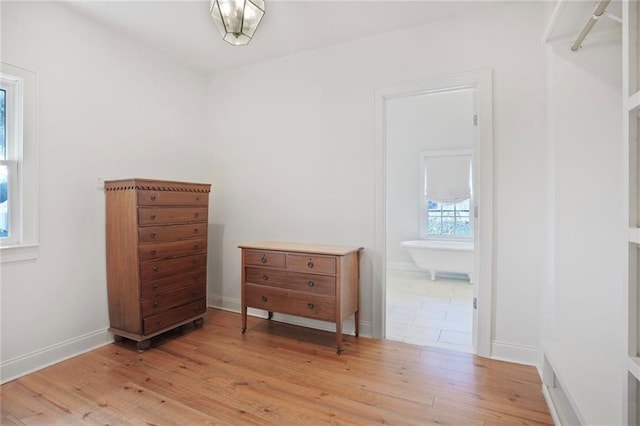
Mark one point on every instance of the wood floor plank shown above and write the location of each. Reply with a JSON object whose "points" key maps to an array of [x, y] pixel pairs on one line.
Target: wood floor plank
{"points": [[275, 373]]}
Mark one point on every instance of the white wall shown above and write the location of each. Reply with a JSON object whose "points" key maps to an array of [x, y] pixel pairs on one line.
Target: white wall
{"points": [[109, 108], [293, 152], [584, 303], [416, 124]]}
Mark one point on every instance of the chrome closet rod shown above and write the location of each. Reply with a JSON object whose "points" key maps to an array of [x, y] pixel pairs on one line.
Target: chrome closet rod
{"points": [[590, 23]]}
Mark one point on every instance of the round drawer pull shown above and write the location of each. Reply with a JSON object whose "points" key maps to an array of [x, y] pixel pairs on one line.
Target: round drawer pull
{"points": [[155, 269], [197, 214], [155, 304], [264, 298], [153, 252], [195, 261], [153, 235], [197, 198], [153, 216], [265, 277], [153, 198], [264, 259], [195, 231], [196, 277], [155, 286], [311, 283], [195, 246], [310, 264], [310, 305]]}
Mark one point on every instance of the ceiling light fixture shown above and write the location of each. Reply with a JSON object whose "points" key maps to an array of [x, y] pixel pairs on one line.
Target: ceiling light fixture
{"points": [[237, 20]]}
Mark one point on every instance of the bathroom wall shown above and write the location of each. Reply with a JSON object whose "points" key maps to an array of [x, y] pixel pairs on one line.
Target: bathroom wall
{"points": [[415, 124]]}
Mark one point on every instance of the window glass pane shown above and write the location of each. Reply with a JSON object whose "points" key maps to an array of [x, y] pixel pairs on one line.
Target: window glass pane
{"points": [[4, 202], [449, 220], [3, 124]]}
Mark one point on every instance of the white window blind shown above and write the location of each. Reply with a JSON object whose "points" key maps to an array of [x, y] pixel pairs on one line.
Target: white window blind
{"points": [[448, 178]]}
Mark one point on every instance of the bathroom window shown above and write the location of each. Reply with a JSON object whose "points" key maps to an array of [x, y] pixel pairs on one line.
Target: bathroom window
{"points": [[448, 220], [446, 195]]}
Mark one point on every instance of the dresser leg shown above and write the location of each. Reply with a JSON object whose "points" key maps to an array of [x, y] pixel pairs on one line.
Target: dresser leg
{"points": [[198, 322], [339, 337], [356, 318], [270, 315], [244, 319], [142, 345]]}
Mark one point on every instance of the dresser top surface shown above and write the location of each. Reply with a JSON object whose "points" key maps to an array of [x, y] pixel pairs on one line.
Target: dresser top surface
{"points": [[301, 248], [156, 185]]}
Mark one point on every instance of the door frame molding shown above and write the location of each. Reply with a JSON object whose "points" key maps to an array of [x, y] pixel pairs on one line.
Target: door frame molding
{"points": [[481, 81]]}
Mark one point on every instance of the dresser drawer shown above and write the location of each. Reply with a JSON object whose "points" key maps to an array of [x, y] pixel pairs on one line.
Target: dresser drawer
{"points": [[159, 304], [173, 316], [155, 287], [172, 198], [151, 234], [163, 215], [290, 302], [171, 249], [163, 268], [264, 258], [311, 263], [315, 284]]}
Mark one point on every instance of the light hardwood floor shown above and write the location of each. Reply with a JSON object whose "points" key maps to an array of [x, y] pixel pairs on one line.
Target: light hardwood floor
{"points": [[274, 374]]}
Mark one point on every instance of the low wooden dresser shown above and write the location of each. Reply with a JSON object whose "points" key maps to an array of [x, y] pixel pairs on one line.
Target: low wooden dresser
{"points": [[313, 281], [156, 234]]}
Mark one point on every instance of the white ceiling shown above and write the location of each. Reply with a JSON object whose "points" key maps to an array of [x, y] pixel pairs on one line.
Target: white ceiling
{"points": [[184, 30]]}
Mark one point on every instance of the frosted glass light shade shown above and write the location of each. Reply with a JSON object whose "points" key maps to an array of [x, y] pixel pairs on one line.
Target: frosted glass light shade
{"points": [[237, 20]]}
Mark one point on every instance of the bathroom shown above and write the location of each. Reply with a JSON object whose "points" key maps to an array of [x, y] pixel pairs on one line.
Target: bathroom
{"points": [[430, 142]]}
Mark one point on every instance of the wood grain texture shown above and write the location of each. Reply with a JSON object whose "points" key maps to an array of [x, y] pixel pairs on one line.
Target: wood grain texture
{"points": [[277, 374]]}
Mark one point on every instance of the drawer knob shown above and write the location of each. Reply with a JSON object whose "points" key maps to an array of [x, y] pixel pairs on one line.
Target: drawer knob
{"points": [[153, 235], [195, 261], [197, 214], [197, 198], [311, 283], [264, 259], [264, 298], [153, 216], [153, 198], [155, 286], [155, 304], [265, 277], [195, 231], [195, 246], [155, 269], [196, 277], [310, 264], [310, 305], [153, 252]]}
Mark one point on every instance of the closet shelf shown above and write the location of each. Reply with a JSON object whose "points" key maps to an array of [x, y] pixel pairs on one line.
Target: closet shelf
{"points": [[633, 101], [634, 367], [634, 235]]}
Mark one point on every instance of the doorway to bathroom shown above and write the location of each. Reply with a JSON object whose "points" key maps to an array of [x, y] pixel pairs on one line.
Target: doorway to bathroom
{"points": [[434, 143]]}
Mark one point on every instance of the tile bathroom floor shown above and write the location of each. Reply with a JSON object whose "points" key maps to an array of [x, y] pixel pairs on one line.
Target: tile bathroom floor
{"points": [[429, 313]]}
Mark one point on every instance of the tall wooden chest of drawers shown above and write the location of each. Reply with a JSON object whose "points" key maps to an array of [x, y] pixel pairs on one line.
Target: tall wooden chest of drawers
{"points": [[313, 281], [156, 234]]}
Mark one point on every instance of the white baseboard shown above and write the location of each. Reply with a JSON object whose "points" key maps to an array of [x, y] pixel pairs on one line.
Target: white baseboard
{"points": [[519, 354], [404, 266], [234, 305], [37, 360]]}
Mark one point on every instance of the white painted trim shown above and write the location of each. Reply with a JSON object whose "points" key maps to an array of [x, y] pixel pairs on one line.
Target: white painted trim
{"points": [[34, 361], [18, 253], [551, 405], [519, 354], [483, 182]]}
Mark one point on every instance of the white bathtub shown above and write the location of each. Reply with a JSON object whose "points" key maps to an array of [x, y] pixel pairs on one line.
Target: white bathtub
{"points": [[442, 256]]}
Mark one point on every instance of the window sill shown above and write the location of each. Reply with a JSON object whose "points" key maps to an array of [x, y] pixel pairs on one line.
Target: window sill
{"points": [[19, 253]]}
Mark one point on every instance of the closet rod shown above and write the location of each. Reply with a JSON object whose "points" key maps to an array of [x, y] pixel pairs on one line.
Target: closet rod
{"points": [[590, 23]]}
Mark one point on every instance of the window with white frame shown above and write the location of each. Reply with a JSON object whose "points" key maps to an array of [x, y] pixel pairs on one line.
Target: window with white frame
{"points": [[10, 150], [18, 164], [446, 195]]}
